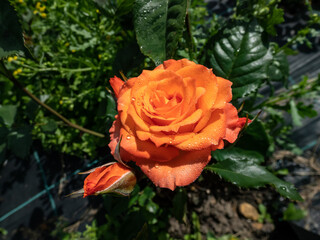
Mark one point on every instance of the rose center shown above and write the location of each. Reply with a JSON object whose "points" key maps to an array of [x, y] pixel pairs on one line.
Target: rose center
{"points": [[161, 99]]}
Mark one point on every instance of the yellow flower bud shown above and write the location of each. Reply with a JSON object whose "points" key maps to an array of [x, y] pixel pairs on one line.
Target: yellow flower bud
{"points": [[10, 59], [44, 15], [42, 8], [16, 72]]}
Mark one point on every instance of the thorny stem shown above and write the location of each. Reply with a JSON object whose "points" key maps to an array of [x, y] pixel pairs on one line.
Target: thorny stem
{"points": [[9, 75]]}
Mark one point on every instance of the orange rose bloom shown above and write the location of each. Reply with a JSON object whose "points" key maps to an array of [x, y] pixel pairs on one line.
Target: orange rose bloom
{"points": [[171, 118]]}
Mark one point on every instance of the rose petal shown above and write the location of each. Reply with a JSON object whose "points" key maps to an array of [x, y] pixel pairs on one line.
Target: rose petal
{"points": [[234, 123], [193, 118], [133, 149], [181, 171], [224, 93], [208, 136], [174, 65], [116, 84], [160, 138], [204, 78]]}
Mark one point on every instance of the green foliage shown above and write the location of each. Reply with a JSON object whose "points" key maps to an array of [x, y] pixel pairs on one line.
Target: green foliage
{"points": [[179, 205], [293, 213], [264, 216], [11, 40], [89, 234], [3, 231], [246, 171], [7, 114], [158, 26], [239, 52], [255, 138], [196, 235], [211, 236]]}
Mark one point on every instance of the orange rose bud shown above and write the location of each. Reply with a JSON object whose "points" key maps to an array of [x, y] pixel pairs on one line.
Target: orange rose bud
{"points": [[115, 178], [171, 118]]}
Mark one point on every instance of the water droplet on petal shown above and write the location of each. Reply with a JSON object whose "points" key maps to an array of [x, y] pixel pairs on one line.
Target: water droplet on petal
{"points": [[133, 99], [128, 137], [156, 166]]}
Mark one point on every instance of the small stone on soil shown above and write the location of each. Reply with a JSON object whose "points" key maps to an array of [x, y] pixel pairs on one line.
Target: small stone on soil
{"points": [[248, 211]]}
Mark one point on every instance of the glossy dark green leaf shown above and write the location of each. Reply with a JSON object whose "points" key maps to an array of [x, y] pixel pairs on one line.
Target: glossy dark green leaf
{"points": [[237, 154], [19, 141], [158, 25], [11, 40], [7, 114], [246, 173], [255, 138], [239, 52]]}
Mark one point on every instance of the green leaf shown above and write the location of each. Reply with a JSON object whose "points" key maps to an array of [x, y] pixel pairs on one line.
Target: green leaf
{"points": [[239, 53], [296, 118], [19, 141], [278, 70], [11, 40], [237, 154], [111, 106], [272, 19], [125, 7], [292, 213], [179, 204], [127, 58], [146, 196], [143, 233], [255, 138], [246, 173], [50, 127], [3, 148], [158, 25], [7, 114], [264, 215]]}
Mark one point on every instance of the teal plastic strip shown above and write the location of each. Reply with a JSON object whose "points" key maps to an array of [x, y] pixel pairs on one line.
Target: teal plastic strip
{"points": [[44, 178], [309, 145], [46, 190]]}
